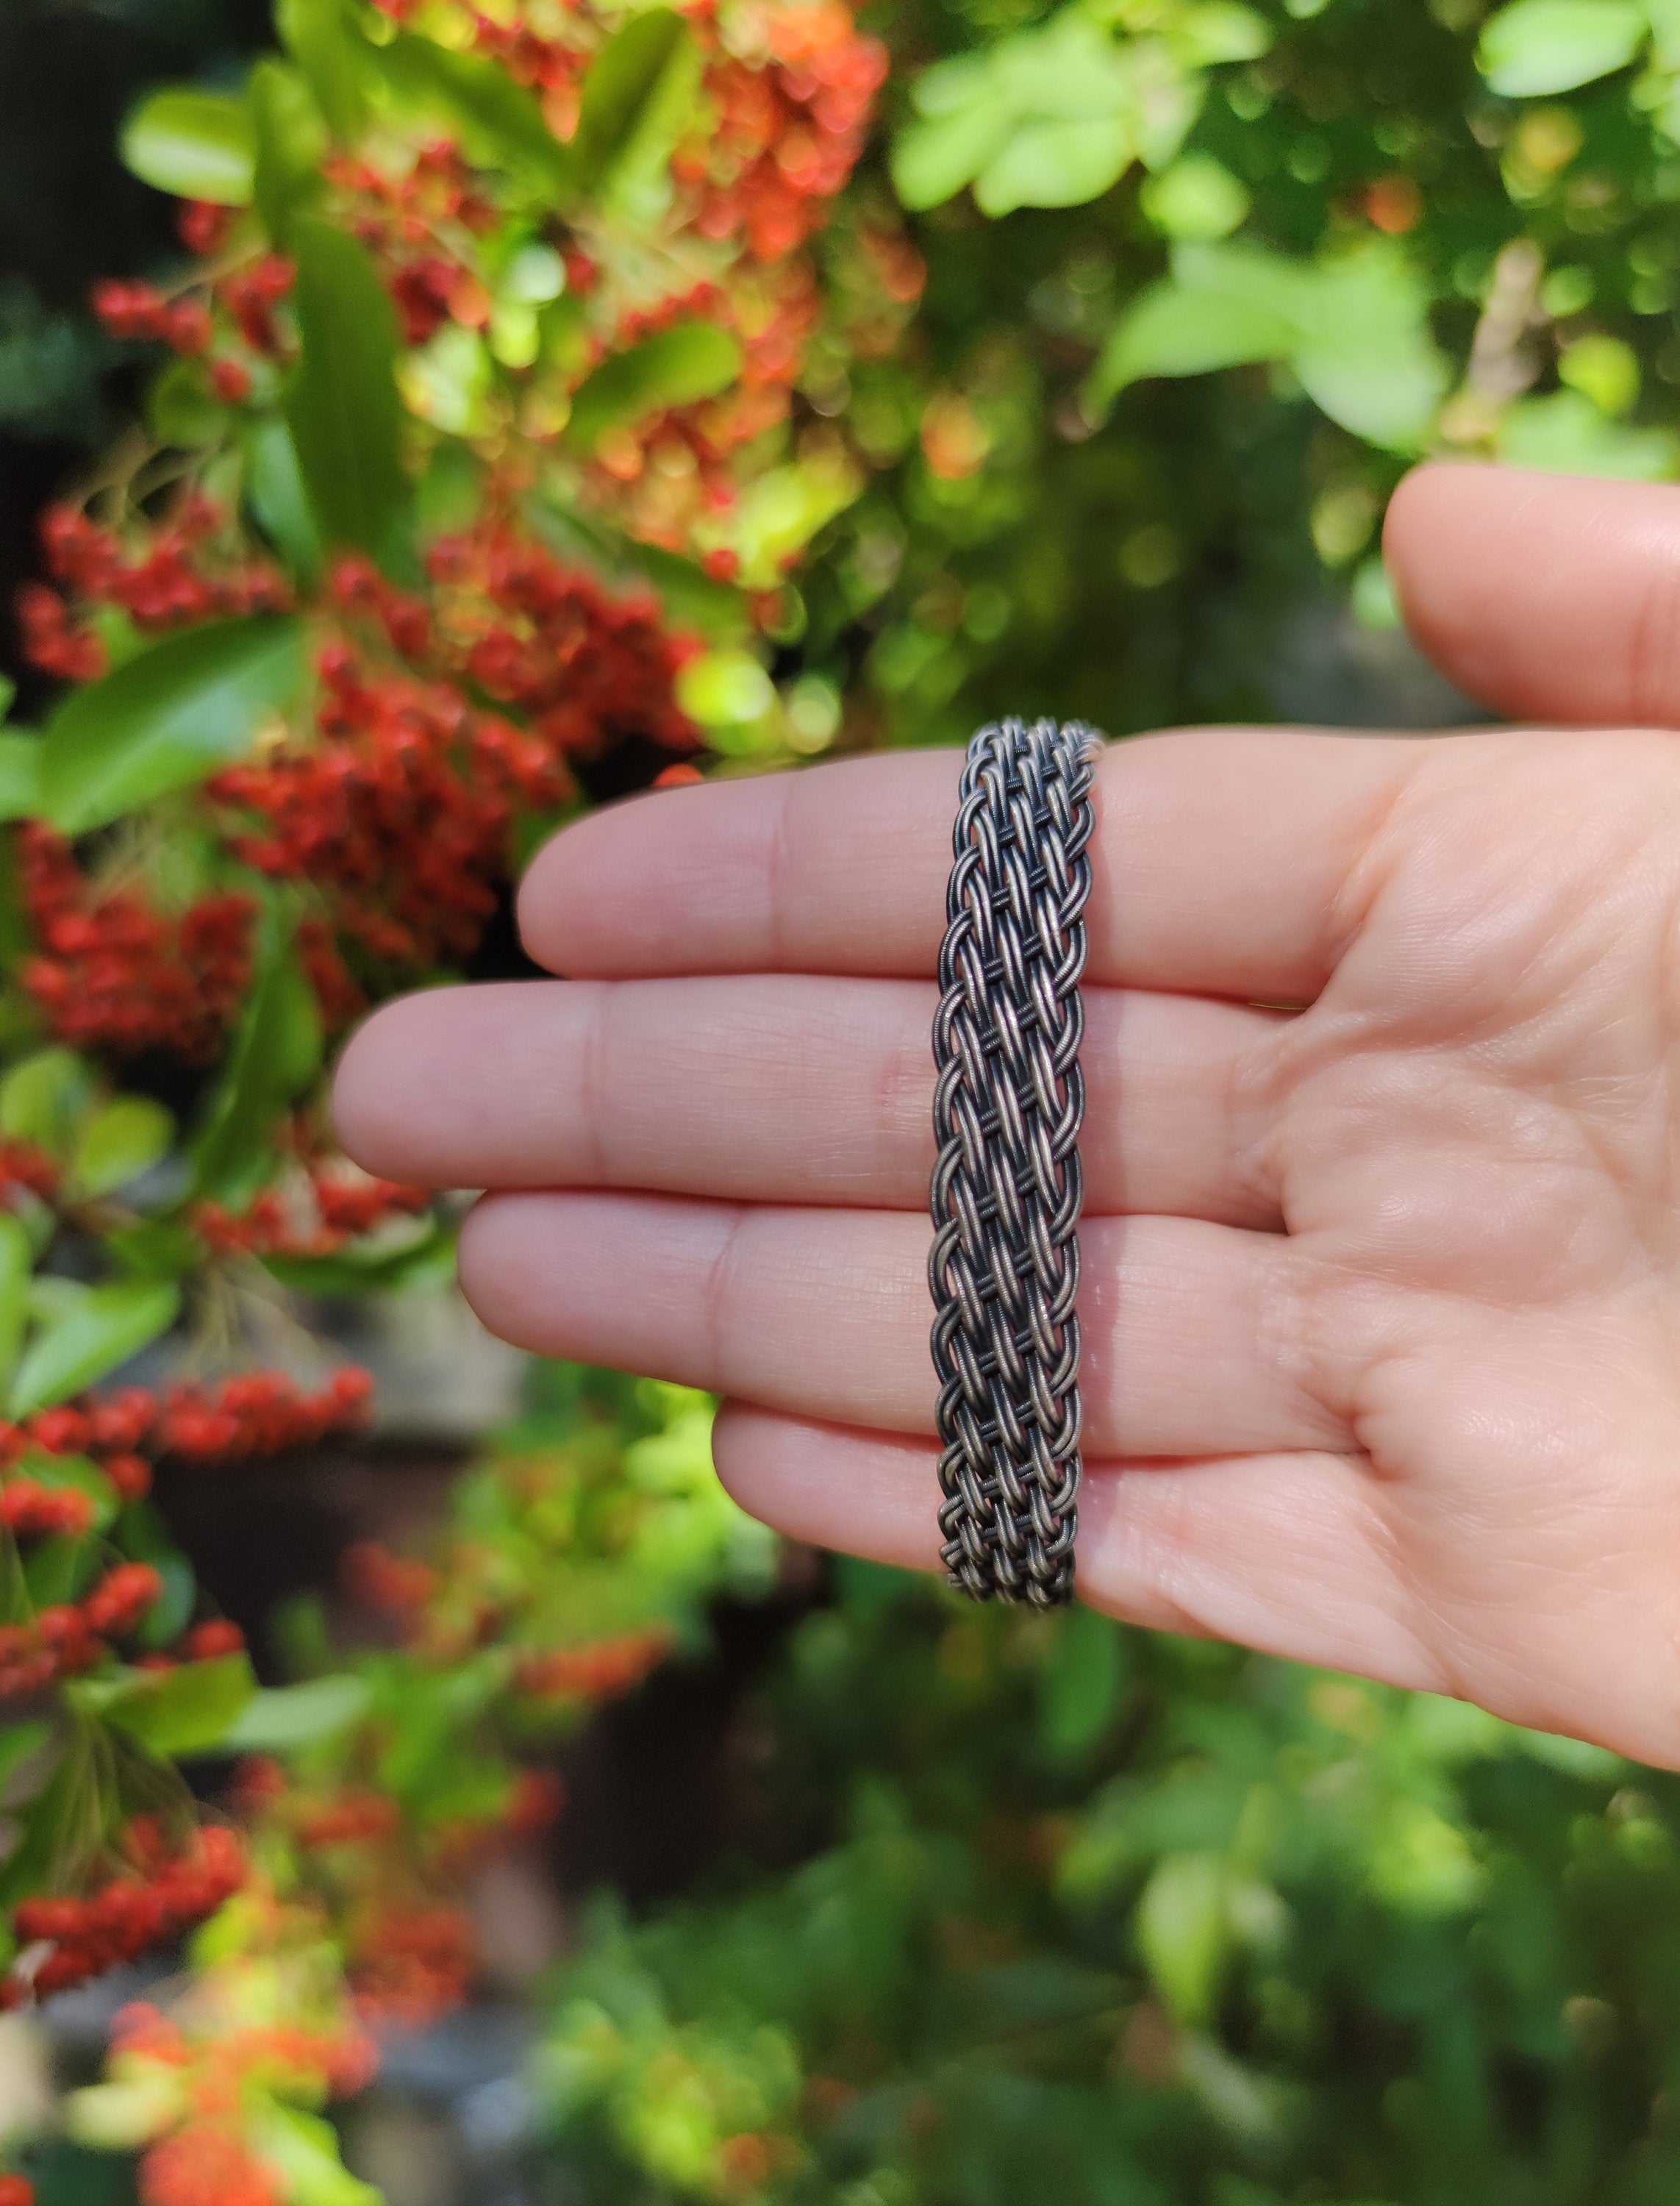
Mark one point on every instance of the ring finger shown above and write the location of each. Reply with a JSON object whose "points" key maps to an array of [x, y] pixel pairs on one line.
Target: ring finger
{"points": [[826, 1313]]}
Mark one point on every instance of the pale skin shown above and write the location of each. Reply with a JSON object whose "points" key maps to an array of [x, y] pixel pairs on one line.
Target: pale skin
{"points": [[1381, 1293]]}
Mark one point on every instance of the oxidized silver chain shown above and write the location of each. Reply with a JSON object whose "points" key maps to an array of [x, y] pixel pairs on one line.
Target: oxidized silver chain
{"points": [[1007, 1188]]}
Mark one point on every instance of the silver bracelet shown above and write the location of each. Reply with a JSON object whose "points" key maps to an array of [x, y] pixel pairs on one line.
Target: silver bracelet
{"points": [[1006, 1192]]}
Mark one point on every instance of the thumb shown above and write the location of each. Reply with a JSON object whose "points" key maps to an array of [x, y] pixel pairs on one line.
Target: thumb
{"points": [[1548, 597]]}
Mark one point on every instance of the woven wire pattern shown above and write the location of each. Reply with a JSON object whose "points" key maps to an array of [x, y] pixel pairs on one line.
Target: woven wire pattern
{"points": [[1006, 1190]]}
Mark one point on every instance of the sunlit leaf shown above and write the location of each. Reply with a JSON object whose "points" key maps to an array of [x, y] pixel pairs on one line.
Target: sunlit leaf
{"points": [[637, 97], [275, 1054], [1184, 1930], [101, 1328], [343, 406], [274, 491], [333, 57], [690, 361], [20, 775], [44, 1097], [276, 1721], [17, 1264], [118, 1143], [1055, 164], [179, 710], [194, 144], [502, 122], [1540, 47], [289, 139], [189, 1709]]}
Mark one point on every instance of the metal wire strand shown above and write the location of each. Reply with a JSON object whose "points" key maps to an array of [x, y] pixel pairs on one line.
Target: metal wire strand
{"points": [[1006, 1191]]}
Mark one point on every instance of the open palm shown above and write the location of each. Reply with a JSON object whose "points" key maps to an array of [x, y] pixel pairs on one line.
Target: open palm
{"points": [[1381, 1285]]}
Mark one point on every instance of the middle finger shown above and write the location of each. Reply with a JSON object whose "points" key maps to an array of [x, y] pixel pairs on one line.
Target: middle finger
{"points": [[786, 1088]]}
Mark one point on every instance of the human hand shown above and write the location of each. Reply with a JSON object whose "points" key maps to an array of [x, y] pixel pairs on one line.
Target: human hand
{"points": [[1381, 1296]]}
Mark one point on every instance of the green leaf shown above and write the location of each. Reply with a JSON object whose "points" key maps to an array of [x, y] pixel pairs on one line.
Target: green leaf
{"points": [[20, 776], [100, 1329], [275, 493], [1219, 31], [1540, 46], [194, 144], [276, 1054], [44, 1099], [65, 1823], [1057, 165], [1083, 1683], [636, 98], [303, 2151], [119, 1142], [933, 158], [1565, 433], [1183, 1931], [334, 59], [190, 1709], [502, 124], [60, 1569], [275, 1722], [427, 1260], [343, 406], [724, 688], [17, 1743], [1171, 331], [689, 361], [290, 139], [1196, 198], [1049, 117], [17, 1264], [167, 718], [1365, 354], [155, 1248]]}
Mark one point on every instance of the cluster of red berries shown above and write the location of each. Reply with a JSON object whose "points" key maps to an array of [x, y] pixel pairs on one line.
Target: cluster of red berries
{"points": [[65, 1940], [29, 1511], [70, 1636], [378, 1579], [353, 1817], [547, 66], [140, 310], [170, 586], [51, 637], [337, 2062], [400, 812], [404, 219], [110, 972], [587, 670], [399, 815], [343, 1209], [250, 295], [597, 1669], [202, 226], [259, 1413], [184, 319], [16, 2191], [256, 1413], [787, 137], [206, 2161], [409, 1966], [206, 2164]]}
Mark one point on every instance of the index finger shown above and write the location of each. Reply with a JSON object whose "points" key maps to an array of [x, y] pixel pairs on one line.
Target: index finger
{"points": [[1218, 864]]}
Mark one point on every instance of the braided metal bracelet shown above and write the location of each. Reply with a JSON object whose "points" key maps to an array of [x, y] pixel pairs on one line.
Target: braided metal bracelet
{"points": [[1006, 1190]]}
